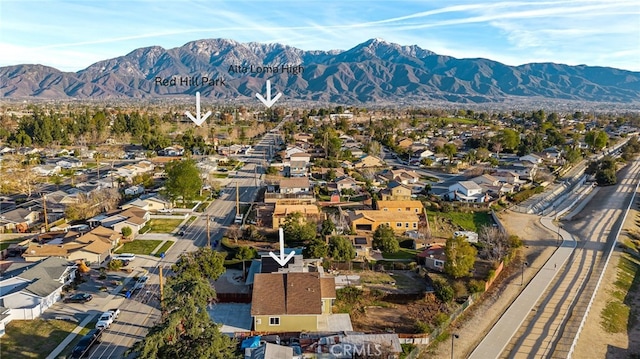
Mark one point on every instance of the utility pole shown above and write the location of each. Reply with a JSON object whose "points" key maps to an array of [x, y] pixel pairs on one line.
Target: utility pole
{"points": [[208, 232], [161, 287], [44, 206]]}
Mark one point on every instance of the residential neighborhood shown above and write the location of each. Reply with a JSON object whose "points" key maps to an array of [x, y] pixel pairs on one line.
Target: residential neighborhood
{"points": [[378, 217]]}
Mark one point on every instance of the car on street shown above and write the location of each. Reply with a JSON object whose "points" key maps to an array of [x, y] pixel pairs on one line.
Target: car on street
{"points": [[107, 318], [78, 298], [82, 348]]}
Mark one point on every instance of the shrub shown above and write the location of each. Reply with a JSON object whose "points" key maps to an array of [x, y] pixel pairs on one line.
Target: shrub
{"points": [[127, 231], [491, 275], [422, 327], [459, 288], [399, 266], [515, 241], [115, 264], [476, 286], [443, 290], [440, 319]]}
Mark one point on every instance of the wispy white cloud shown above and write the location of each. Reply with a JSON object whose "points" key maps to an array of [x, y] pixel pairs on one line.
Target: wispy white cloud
{"points": [[513, 32]]}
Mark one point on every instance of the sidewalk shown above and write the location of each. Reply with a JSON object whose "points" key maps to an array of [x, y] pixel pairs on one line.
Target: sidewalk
{"points": [[500, 335]]}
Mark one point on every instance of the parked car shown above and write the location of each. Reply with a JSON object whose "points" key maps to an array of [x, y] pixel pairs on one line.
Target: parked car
{"points": [[125, 256], [78, 298], [140, 283], [82, 348], [107, 318]]}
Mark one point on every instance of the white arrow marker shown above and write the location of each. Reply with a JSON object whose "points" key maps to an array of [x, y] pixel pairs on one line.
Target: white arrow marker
{"points": [[282, 260], [268, 102], [197, 120]]}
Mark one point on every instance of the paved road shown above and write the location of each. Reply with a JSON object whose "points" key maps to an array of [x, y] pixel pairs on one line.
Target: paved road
{"points": [[543, 321], [141, 312]]}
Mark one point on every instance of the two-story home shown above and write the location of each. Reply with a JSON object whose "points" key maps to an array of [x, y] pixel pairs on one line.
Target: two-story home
{"points": [[291, 302], [395, 191], [466, 191], [309, 212], [345, 182], [400, 175], [370, 220], [412, 206], [368, 162]]}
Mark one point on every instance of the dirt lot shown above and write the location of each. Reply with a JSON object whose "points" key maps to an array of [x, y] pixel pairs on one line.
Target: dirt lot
{"points": [[539, 244], [594, 341]]}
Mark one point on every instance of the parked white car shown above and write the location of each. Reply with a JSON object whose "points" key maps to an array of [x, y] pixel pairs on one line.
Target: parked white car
{"points": [[125, 257], [105, 320]]}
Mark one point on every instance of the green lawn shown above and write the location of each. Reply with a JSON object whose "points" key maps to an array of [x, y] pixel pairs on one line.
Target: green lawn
{"points": [[220, 175], [34, 338], [140, 246], [468, 221], [462, 121], [403, 253], [164, 248], [163, 225]]}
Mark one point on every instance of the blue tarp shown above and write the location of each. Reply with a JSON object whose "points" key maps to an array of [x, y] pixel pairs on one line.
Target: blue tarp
{"points": [[252, 342]]}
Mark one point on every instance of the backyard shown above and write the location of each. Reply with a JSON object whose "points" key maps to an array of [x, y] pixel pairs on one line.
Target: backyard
{"points": [[469, 221]]}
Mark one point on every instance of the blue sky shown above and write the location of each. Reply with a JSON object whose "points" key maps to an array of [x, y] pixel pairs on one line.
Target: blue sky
{"points": [[71, 35]]}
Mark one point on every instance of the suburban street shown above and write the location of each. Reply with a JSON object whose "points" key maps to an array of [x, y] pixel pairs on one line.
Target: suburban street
{"points": [[544, 320], [141, 311]]}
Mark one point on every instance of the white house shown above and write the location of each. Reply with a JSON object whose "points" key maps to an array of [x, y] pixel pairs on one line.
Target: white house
{"points": [[28, 291], [486, 179], [466, 191], [531, 158], [134, 190]]}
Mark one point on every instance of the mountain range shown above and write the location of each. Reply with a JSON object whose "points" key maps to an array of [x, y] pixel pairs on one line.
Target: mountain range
{"points": [[374, 71]]}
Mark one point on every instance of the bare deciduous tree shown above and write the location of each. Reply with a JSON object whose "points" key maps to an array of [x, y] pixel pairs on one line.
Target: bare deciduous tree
{"points": [[495, 243]]}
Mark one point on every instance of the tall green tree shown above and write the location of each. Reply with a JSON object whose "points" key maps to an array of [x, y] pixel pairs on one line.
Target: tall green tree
{"points": [[187, 330], [328, 227], [296, 229], [450, 150], [341, 249], [510, 139], [315, 248], [183, 180], [384, 239], [461, 256]]}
